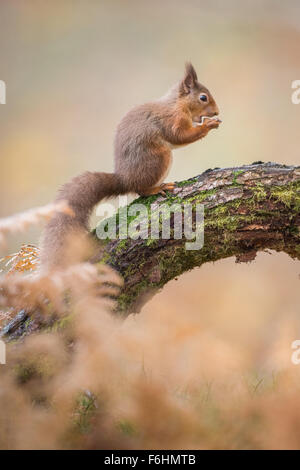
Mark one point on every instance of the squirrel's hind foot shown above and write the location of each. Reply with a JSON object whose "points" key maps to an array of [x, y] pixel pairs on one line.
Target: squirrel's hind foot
{"points": [[159, 189]]}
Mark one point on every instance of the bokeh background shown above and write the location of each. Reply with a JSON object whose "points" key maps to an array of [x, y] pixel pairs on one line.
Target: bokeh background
{"points": [[74, 68]]}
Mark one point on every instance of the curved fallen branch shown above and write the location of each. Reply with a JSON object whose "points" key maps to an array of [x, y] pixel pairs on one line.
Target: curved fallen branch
{"points": [[247, 209]]}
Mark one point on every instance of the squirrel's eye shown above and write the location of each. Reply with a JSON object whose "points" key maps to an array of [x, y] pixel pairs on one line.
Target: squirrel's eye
{"points": [[203, 97]]}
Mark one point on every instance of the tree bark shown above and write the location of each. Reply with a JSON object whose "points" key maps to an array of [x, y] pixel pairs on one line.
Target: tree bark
{"points": [[247, 209]]}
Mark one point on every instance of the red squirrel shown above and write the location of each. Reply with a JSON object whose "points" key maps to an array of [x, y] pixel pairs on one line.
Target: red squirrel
{"points": [[143, 147]]}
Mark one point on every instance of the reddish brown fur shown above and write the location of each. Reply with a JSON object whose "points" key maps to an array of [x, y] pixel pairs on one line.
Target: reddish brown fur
{"points": [[143, 144]]}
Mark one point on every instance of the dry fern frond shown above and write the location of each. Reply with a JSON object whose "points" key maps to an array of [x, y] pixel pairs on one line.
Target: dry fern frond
{"points": [[20, 222], [5, 316], [36, 291], [25, 260]]}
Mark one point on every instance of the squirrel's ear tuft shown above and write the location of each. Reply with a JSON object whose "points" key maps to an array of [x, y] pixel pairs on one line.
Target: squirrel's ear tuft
{"points": [[189, 80]]}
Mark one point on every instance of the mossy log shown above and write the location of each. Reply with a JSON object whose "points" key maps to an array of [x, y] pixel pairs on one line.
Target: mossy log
{"points": [[247, 209]]}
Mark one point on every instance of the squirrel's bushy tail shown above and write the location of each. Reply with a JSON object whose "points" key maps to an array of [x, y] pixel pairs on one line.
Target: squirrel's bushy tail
{"points": [[82, 193]]}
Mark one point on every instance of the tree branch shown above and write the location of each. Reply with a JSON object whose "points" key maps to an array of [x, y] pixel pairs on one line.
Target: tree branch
{"points": [[247, 209]]}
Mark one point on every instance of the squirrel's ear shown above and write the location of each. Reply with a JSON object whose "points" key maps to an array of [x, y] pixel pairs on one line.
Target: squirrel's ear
{"points": [[189, 80]]}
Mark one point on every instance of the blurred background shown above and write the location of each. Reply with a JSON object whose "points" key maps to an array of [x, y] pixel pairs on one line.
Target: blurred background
{"points": [[74, 68]]}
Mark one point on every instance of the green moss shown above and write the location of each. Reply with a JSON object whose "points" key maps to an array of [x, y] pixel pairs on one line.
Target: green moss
{"points": [[85, 409], [220, 210], [227, 217], [121, 245], [145, 200], [61, 323], [259, 192], [297, 250], [105, 259], [288, 195], [228, 222], [180, 184], [202, 196], [295, 231], [151, 242], [127, 428], [127, 298], [236, 174]]}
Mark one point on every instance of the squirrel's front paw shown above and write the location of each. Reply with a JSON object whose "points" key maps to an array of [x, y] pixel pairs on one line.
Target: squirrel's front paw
{"points": [[211, 123]]}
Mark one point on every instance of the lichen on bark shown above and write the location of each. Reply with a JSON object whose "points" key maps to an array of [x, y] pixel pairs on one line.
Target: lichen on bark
{"points": [[247, 209]]}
